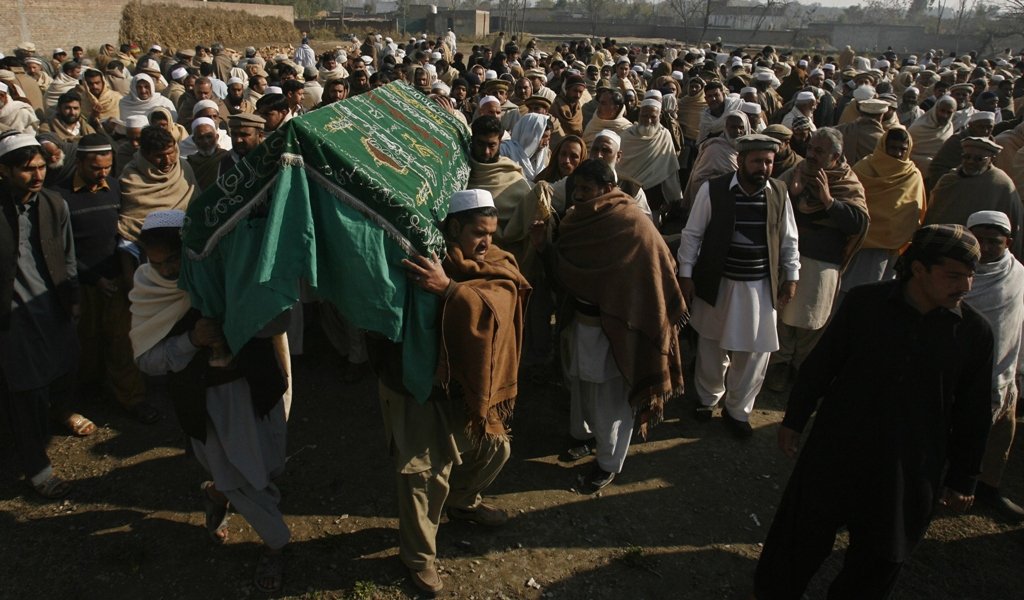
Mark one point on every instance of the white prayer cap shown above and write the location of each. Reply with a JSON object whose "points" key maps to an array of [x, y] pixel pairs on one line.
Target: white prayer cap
{"points": [[612, 136], [864, 92], [815, 72], [763, 76], [178, 73], [828, 67], [441, 88], [622, 59], [748, 90], [34, 59], [873, 107], [982, 115], [388, 40], [801, 63], [488, 100], [882, 64], [136, 122], [57, 51], [990, 218], [342, 55], [234, 80], [3, 87], [751, 108], [651, 102], [470, 200], [203, 121], [804, 96], [164, 218], [273, 89], [367, 59], [203, 105], [155, 48], [430, 69], [435, 56], [10, 143], [678, 75], [997, 78], [652, 94], [638, 69], [736, 60], [490, 74]]}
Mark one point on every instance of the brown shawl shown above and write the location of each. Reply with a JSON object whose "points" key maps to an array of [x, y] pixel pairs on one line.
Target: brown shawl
{"points": [[482, 338], [144, 188], [609, 240], [570, 117], [844, 186], [206, 168]]}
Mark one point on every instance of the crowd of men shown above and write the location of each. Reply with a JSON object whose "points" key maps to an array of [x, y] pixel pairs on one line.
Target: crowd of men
{"points": [[845, 227]]}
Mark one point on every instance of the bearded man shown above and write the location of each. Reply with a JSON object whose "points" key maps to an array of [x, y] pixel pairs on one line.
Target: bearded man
{"points": [[156, 179], [650, 158], [99, 102], [948, 158], [235, 101], [976, 185], [68, 123], [738, 264], [205, 161], [568, 108]]}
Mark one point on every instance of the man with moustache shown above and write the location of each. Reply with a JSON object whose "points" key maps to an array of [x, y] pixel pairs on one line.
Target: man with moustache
{"points": [[902, 385], [738, 265]]}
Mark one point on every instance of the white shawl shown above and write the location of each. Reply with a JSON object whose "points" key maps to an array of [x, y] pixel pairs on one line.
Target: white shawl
{"points": [[132, 106]]}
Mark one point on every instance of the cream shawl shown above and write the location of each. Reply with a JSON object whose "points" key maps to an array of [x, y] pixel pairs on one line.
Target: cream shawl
{"points": [[144, 188], [649, 160], [102, 107], [596, 124], [61, 83], [157, 305], [131, 105], [928, 137]]}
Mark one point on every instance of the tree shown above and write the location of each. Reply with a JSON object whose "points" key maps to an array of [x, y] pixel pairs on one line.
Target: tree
{"points": [[688, 11], [594, 9]]}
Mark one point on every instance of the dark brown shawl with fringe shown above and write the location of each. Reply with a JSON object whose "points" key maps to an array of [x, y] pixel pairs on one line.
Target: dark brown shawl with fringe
{"points": [[611, 255], [482, 338]]}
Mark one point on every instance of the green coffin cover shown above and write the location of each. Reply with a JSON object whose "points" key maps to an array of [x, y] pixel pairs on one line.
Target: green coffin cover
{"points": [[337, 198]]}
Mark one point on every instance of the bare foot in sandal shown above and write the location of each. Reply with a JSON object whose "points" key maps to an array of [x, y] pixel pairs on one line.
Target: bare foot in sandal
{"points": [[215, 506], [269, 570], [79, 425]]}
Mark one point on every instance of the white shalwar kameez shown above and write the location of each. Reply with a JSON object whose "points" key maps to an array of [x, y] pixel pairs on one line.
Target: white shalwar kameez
{"points": [[242, 452], [739, 333], [599, 405]]}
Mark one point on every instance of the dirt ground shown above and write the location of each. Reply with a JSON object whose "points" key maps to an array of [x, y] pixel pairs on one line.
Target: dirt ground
{"points": [[684, 520]]}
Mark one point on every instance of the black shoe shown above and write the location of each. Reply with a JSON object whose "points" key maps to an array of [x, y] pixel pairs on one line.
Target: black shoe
{"points": [[703, 413], [595, 481], [578, 452], [991, 498], [740, 429]]}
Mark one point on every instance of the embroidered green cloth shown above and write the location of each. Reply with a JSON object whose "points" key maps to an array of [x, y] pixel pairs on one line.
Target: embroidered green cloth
{"points": [[337, 198]]}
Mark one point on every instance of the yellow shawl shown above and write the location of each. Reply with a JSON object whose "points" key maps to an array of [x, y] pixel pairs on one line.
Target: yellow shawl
{"points": [[895, 195], [157, 305]]}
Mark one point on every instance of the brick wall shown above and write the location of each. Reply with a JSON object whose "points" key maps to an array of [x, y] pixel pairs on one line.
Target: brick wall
{"points": [[66, 23]]}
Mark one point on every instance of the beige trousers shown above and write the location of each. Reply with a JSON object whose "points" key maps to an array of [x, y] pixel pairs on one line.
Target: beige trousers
{"points": [[1000, 439], [434, 464]]}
